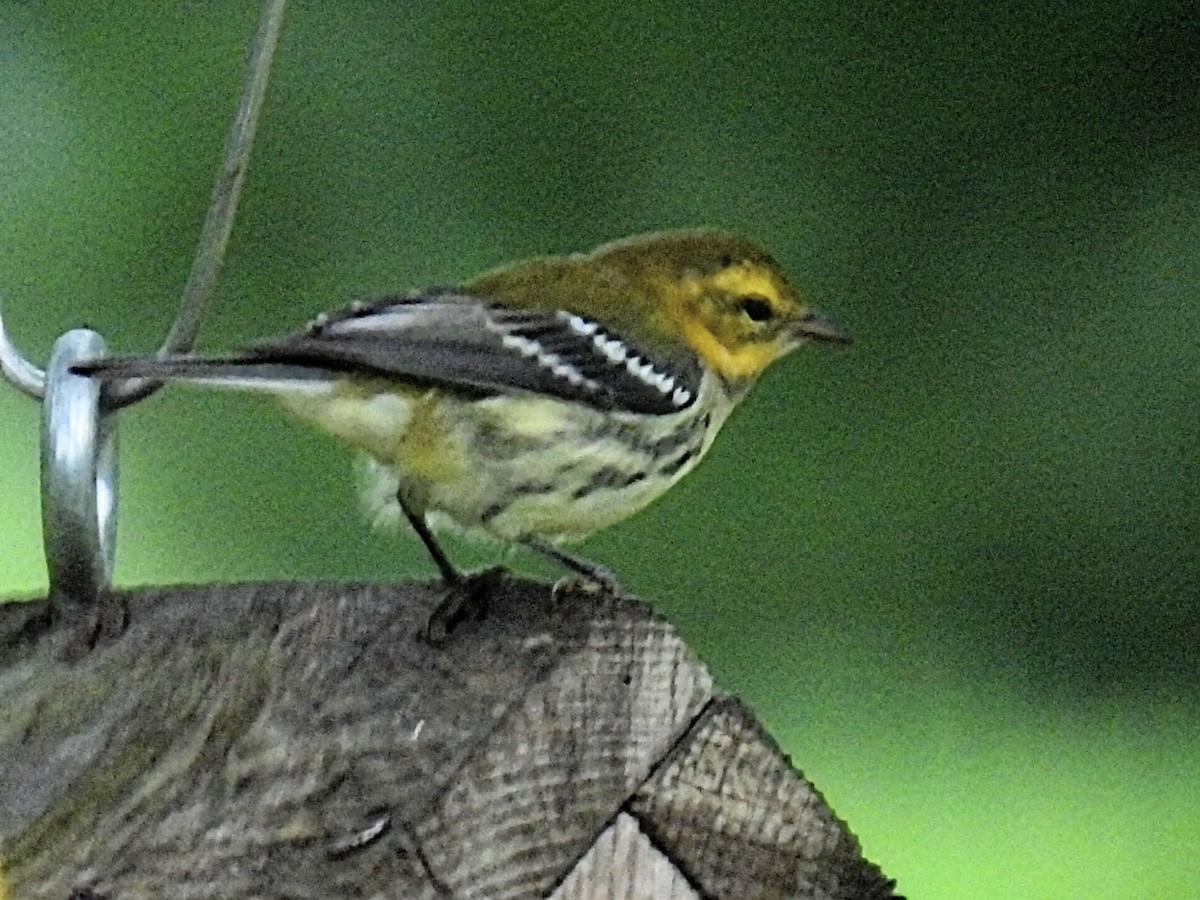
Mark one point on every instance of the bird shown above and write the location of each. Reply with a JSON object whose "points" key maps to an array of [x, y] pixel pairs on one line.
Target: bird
{"points": [[540, 401]]}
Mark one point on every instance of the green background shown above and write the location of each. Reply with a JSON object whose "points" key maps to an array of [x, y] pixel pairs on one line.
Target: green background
{"points": [[954, 568]]}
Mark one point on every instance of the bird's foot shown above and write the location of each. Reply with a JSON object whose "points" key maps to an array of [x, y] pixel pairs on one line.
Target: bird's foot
{"points": [[590, 578], [597, 582], [464, 598]]}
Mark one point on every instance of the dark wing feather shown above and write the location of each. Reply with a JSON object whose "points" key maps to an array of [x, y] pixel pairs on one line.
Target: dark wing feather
{"points": [[477, 346]]}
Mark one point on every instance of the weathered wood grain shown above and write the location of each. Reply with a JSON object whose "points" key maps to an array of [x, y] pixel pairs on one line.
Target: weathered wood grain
{"points": [[623, 864], [301, 741]]}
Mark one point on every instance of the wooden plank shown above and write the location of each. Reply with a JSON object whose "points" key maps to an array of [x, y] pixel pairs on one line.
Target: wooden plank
{"points": [[624, 865], [581, 740], [732, 813]]}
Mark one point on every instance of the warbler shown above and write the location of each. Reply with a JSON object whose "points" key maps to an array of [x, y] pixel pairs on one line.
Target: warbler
{"points": [[540, 401]]}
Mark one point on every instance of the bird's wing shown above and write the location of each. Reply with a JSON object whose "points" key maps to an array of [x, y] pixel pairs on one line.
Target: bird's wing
{"points": [[476, 345], [451, 340]]}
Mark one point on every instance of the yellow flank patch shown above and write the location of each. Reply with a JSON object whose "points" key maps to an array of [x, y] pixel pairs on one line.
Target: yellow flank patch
{"points": [[426, 451], [372, 416], [530, 417]]}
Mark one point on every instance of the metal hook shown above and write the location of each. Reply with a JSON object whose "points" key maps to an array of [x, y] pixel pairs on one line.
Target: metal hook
{"points": [[79, 477], [79, 469]]}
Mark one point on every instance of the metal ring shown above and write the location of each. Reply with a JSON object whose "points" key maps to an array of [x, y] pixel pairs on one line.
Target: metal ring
{"points": [[79, 476]]}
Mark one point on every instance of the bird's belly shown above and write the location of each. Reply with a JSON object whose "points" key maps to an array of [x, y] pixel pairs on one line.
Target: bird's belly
{"points": [[539, 466], [516, 466]]}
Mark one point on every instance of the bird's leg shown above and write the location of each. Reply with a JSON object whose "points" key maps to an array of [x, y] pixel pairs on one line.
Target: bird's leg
{"points": [[591, 577], [465, 595], [450, 575]]}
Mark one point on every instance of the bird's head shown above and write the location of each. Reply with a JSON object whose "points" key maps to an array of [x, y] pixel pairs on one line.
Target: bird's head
{"points": [[723, 296]]}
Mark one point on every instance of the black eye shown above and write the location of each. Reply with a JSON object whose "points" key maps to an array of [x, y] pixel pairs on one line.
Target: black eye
{"points": [[757, 308]]}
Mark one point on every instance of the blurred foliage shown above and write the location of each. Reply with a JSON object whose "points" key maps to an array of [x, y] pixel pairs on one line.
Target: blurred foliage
{"points": [[954, 569]]}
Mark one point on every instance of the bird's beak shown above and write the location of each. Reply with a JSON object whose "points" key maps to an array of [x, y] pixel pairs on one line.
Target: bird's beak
{"points": [[816, 326]]}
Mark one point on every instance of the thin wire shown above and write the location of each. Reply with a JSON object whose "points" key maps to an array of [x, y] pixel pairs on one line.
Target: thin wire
{"points": [[214, 236], [20, 372]]}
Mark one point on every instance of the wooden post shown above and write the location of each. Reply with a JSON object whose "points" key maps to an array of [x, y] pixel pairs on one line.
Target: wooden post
{"points": [[301, 741]]}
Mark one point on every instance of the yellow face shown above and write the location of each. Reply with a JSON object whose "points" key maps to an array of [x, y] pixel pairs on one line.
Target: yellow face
{"points": [[740, 317]]}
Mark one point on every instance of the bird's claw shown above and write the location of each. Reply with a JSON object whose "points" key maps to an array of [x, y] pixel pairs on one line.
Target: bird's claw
{"points": [[465, 598], [599, 582]]}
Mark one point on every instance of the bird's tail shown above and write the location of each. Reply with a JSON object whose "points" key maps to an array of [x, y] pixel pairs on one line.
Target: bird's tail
{"points": [[247, 373]]}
